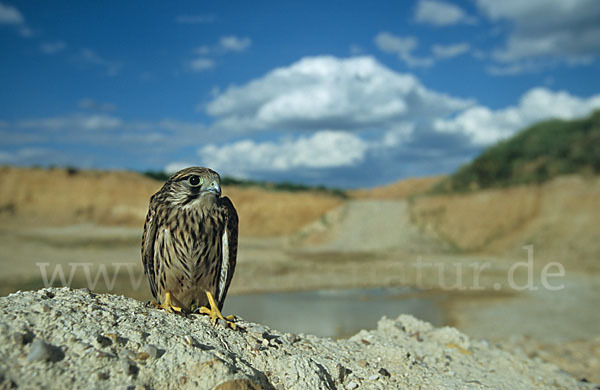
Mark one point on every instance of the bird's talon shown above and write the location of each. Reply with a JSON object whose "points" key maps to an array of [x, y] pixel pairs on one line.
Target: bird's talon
{"points": [[215, 314], [168, 306]]}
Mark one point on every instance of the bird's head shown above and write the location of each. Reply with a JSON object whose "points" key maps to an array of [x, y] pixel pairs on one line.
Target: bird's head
{"points": [[193, 186]]}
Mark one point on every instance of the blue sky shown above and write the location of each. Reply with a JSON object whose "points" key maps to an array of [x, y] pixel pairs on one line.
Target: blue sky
{"points": [[347, 94]]}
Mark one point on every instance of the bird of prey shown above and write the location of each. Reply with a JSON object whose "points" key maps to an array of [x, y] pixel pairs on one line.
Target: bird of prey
{"points": [[189, 246]]}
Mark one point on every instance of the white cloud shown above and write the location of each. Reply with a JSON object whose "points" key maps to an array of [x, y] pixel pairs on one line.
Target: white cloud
{"points": [[32, 155], [449, 51], [514, 68], [77, 122], [52, 47], [403, 47], [226, 44], [326, 92], [202, 50], [484, 126], [233, 43], [10, 15], [323, 149], [547, 29], [395, 136], [201, 64], [441, 13], [229, 43], [176, 166]]}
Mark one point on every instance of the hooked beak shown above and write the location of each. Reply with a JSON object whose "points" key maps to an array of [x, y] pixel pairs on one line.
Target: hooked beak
{"points": [[214, 188]]}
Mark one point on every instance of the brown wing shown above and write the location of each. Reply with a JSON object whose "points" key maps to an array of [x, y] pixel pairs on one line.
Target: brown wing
{"points": [[148, 246], [231, 232]]}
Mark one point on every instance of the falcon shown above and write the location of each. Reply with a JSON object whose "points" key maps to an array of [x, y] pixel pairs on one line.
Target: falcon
{"points": [[189, 245]]}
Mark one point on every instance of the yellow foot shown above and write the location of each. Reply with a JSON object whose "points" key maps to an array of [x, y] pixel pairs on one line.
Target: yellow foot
{"points": [[215, 314], [167, 305]]}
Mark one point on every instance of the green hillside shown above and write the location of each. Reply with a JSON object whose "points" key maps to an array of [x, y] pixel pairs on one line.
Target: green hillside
{"points": [[534, 155]]}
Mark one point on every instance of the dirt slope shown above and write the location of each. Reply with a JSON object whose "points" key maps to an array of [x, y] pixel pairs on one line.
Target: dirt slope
{"points": [[560, 218], [368, 225]]}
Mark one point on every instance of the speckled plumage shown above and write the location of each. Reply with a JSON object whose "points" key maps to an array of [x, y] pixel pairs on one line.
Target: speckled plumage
{"points": [[190, 237]]}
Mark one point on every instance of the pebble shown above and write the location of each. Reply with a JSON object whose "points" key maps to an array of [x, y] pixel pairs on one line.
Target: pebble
{"points": [[40, 351], [352, 385], [374, 377], [383, 372], [103, 341], [189, 340], [258, 329], [151, 350]]}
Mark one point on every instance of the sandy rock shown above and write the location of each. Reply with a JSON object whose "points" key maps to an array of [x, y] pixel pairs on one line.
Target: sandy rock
{"points": [[87, 340]]}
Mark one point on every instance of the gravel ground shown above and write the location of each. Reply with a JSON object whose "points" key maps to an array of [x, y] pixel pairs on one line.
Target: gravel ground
{"points": [[62, 338]]}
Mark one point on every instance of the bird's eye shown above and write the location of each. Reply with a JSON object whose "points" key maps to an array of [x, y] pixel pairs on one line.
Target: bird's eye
{"points": [[195, 180]]}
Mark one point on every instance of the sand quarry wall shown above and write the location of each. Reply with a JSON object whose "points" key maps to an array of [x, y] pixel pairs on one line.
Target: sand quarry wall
{"points": [[61, 197], [560, 218]]}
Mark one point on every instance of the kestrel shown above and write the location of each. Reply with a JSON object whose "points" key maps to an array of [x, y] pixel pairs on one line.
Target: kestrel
{"points": [[189, 246]]}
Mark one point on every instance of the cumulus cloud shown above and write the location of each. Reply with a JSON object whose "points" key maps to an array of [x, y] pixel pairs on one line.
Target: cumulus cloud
{"points": [[326, 92], [233, 43], [403, 47], [449, 51], [323, 149], [484, 126], [441, 13], [540, 29]]}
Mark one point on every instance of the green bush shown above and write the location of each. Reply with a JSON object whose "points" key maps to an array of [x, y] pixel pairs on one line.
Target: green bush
{"points": [[534, 155]]}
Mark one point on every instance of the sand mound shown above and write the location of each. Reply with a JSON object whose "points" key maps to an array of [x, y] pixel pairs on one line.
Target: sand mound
{"points": [[62, 338]]}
